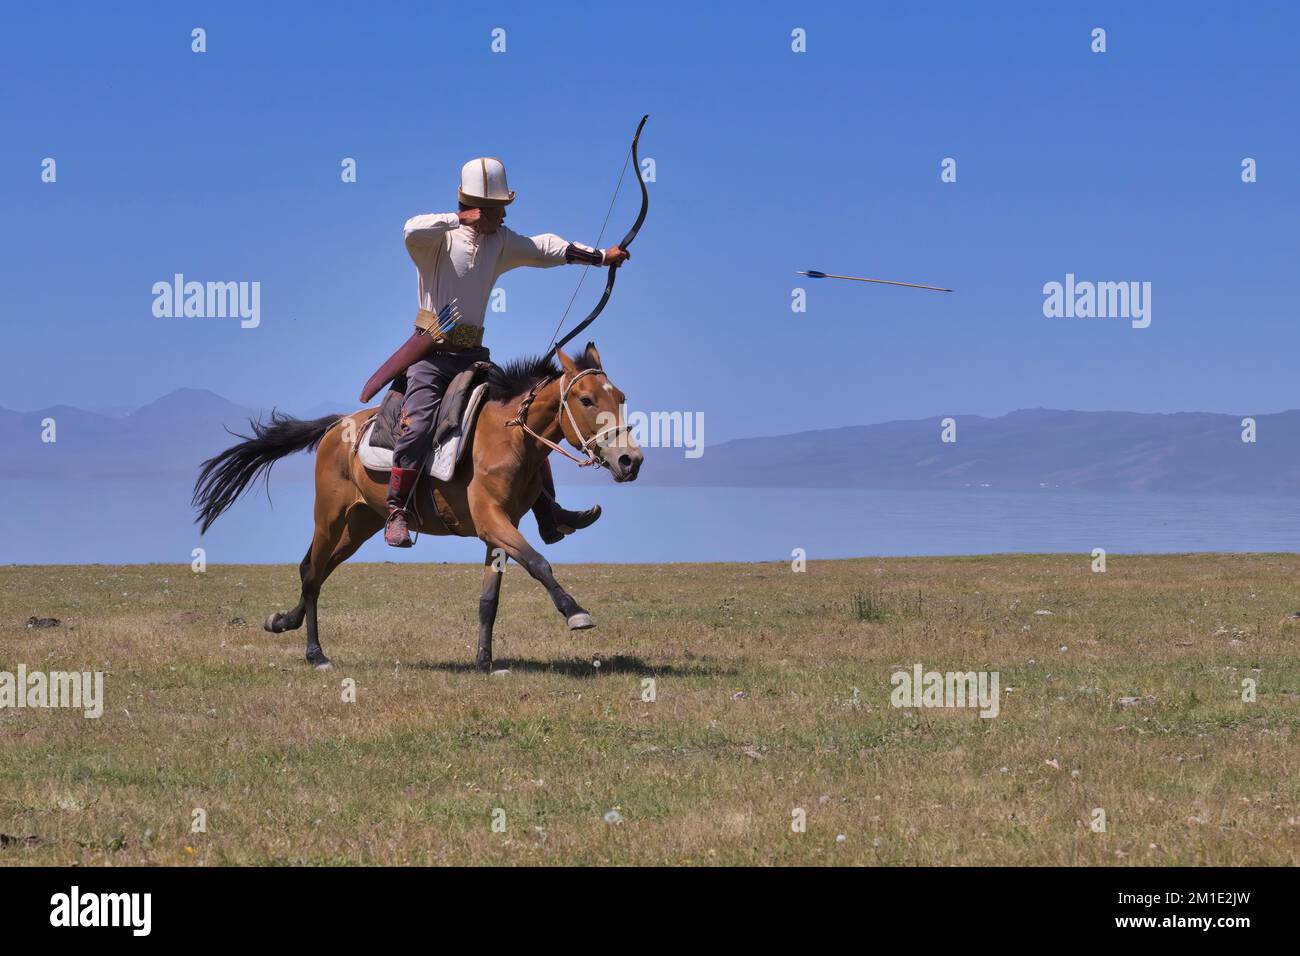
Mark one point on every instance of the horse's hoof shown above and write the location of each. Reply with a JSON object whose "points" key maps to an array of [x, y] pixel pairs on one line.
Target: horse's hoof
{"points": [[318, 660], [269, 623], [581, 621], [325, 665]]}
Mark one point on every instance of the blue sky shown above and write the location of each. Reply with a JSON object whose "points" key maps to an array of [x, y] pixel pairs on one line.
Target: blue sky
{"points": [[225, 166]]}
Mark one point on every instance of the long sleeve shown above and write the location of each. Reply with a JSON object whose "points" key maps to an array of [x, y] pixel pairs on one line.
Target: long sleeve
{"points": [[541, 251], [424, 233]]}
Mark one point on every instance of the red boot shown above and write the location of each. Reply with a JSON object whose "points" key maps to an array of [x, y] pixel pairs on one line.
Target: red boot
{"points": [[401, 482]]}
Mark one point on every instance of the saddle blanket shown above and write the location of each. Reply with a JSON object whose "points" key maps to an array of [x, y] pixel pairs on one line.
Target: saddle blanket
{"points": [[446, 453]]}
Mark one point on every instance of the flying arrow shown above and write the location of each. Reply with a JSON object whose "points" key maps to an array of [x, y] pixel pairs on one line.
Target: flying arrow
{"points": [[814, 274]]}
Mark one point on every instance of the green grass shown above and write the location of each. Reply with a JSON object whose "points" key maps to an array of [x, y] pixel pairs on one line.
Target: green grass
{"points": [[869, 606], [772, 693]]}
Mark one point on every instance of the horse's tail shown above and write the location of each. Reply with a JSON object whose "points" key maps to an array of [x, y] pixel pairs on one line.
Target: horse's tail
{"points": [[224, 477]]}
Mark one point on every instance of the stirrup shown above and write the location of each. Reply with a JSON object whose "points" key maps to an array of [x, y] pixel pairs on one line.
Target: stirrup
{"points": [[405, 541]]}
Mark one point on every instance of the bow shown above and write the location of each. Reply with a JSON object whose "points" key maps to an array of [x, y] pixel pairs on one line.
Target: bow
{"points": [[627, 241]]}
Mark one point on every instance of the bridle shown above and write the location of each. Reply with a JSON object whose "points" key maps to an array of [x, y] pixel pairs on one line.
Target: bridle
{"points": [[584, 444]]}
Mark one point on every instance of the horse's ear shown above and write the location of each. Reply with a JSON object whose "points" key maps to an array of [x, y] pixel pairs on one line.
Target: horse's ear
{"points": [[590, 357], [566, 363]]}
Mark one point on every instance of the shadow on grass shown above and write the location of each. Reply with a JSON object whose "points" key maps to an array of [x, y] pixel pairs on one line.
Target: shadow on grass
{"points": [[578, 667]]}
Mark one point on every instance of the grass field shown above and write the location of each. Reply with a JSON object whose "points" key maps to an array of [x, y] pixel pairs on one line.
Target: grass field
{"points": [[772, 694]]}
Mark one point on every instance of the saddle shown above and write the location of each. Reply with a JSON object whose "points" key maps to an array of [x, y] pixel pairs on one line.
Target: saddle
{"points": [[457, 413]]}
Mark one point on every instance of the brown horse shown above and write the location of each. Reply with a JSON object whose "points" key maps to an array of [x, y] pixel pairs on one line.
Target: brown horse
{"points": [[532, 406]]}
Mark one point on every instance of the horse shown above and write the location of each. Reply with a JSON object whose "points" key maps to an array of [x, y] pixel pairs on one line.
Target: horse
{"points": [[531, 406]]}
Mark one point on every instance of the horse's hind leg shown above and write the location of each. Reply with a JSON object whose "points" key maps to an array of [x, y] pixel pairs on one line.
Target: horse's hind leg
{"points": [[361, 524], [493, 566], [333, 543], [277, 622]]}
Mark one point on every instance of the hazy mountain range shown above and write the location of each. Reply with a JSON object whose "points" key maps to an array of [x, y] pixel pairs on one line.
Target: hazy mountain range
{"points": [[165, 439], [1024, 450], [1031, 449]]}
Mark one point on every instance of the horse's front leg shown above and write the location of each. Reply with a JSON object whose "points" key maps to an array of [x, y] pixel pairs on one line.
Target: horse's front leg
{"points": [[493, 566], [497, 531]]}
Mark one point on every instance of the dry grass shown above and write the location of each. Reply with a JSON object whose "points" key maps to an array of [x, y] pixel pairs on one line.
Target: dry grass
{"points": [[756, 715]]}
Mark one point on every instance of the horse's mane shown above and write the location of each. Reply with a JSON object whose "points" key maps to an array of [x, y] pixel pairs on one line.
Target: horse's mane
{"points": [[519, 375]]}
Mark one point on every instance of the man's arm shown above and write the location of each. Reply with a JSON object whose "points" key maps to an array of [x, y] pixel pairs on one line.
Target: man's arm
{"points": [[425, 232], [549, 250]]}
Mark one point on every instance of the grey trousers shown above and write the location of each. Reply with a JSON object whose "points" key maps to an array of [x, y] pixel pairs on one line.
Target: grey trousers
{"points": [[426, 382]]}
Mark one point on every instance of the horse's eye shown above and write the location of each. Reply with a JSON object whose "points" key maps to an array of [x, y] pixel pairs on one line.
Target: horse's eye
{"points": [[587, 402]]}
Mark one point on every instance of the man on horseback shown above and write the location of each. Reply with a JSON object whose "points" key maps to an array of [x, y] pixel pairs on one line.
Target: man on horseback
{"points": [[459, 257]]}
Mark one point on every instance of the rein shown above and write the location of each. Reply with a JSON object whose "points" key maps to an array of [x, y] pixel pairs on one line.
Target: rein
{"points": [[584, 444]]}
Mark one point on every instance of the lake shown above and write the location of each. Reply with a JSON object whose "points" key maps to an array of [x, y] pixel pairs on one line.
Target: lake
{"points": [[140, 521]]}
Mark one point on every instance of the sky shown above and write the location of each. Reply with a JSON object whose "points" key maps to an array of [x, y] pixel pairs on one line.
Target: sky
{"points": [[225, 166]]}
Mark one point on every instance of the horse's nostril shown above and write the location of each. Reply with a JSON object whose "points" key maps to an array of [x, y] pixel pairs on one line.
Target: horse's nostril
{"points": [[625, 461]]}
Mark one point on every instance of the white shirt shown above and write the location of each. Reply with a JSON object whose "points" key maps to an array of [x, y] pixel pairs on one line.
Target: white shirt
{"points": [[457, 262]]}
